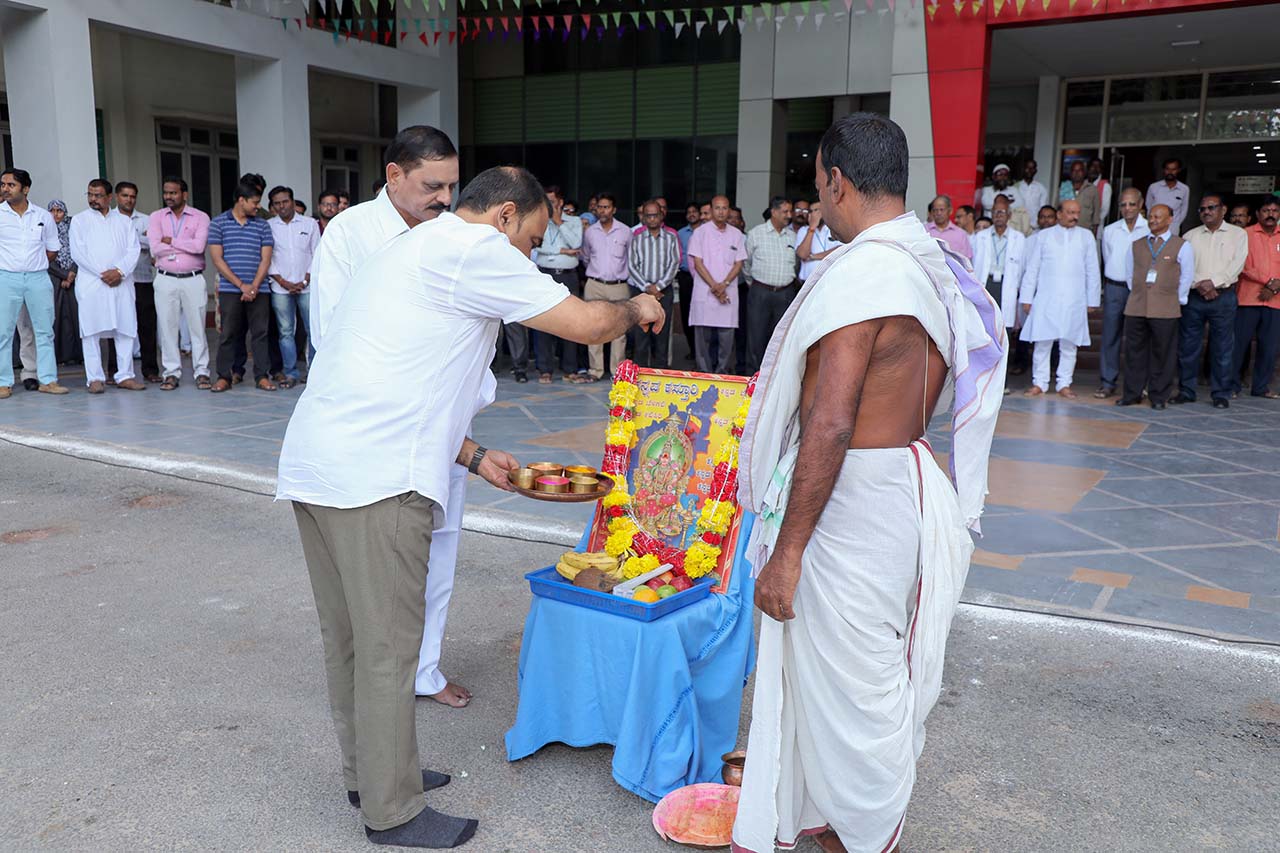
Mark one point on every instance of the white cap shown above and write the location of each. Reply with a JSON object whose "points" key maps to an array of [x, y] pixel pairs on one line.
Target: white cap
{"points": [[1000, 166]]}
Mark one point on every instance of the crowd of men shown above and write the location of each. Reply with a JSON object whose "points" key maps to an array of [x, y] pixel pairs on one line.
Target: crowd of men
{"points": [[114, 279], [1157, 284]]}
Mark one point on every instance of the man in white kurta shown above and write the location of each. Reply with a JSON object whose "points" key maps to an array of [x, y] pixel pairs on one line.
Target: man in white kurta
{"points": [[1061, 286], [860, 544], [998, 258], [104, 245], [350, 239]]}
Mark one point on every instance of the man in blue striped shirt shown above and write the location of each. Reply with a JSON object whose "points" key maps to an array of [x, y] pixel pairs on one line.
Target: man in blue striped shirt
{"points": [[240, 245]]}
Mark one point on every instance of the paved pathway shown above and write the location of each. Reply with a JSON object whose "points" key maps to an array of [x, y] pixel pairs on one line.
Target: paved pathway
{"points": [[1166, 518]]}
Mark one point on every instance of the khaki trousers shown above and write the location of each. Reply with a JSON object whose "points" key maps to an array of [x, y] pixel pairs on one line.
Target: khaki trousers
{"points": [[597, 291], [368, 570]]}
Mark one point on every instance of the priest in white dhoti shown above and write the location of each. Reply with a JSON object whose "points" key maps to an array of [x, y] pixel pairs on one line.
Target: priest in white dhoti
{"points": [[105, 247], [862, 542], [1061, 287]]}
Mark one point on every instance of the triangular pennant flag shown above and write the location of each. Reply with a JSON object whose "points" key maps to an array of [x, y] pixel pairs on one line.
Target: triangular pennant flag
{"points": [[359, 11], [671, 17], [679, 28], [977, 7], [697, 28], [1095, 4], [452, 35], [784, 8], [710, 13], [617, 19], [549, 21], [285, 21], [799, 22], [720, 25], [422, 37], [506, 22], [804, 6], [932, 10], [568, 22], [489, 21], [1046, 3], [748, 12], [817, 18], [375, 6], [959, 4], [586, 19], [499, 5], [999, 4], [1020, 4]]}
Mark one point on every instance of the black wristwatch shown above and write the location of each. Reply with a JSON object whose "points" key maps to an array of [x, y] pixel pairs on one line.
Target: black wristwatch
{"points": [[476, 458]]}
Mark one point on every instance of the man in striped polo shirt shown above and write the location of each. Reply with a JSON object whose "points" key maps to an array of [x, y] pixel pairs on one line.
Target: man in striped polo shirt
{"points": [[240, 245], [652, 262]]}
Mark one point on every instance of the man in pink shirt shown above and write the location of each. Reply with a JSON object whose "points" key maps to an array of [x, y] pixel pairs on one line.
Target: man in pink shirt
{"points": [[177, 233], [605, 248], [717, 251], [941, 226]]}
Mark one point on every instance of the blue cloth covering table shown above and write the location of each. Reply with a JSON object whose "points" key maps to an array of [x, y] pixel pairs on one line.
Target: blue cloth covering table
{"points": [[666, 694]]}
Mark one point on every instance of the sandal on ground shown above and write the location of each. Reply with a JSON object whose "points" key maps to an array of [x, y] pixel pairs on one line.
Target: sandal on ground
{"points": [[220, 386], [265, 384], [170, 383], [1067, 393], [203, 383], [544, 378], [286, 383]]}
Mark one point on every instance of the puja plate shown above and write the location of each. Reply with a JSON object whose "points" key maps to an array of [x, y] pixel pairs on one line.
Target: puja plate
{"points": [[698, 816], [566, 497]]}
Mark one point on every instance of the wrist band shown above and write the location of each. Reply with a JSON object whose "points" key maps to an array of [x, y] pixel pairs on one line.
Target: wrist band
{"points": [[474, 465]]}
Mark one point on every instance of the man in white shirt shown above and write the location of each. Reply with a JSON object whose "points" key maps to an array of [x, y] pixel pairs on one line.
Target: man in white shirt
{"points": [[144, 276], [1171, 192], [1060, 289], [814, 241], [1034, 194], [424, 165], [558, 258], [999, 186], [104, 245], [28, 241], [1117, 244], [368, 470], [998, 258], [1103, 186], [296, 237], [1220, 252]]}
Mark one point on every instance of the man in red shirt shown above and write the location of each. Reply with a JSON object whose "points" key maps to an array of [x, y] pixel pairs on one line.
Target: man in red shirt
{"points": [[1258, 315]]}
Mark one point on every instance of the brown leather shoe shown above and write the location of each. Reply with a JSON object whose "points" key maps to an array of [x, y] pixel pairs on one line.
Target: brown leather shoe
{"points": [[1067, 393], [265, 384], [6, 391], [1033, 391], [53, 388], [131, 385], [97, 387]]}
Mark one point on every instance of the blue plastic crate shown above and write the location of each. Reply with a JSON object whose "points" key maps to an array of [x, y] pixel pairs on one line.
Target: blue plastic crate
{"points": [[549, 583]]}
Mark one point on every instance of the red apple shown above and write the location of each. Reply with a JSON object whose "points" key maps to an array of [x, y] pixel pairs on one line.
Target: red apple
{"points": [[666, 577], [681, 583], [654, 583]]}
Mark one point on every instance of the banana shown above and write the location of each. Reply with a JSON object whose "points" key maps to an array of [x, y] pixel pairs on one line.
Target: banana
{"points": [[572, 562]]}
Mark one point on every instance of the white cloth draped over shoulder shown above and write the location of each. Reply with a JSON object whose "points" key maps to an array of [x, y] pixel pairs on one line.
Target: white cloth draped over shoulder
{"points": [[843, 689], [100, 243], [1061, 282]]}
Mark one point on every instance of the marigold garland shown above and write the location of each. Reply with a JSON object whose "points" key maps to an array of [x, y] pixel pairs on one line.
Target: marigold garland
{"points": [[645, 553]]}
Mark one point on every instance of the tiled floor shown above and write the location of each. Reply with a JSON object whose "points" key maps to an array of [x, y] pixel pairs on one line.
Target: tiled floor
{"points": [[1170, 517]]}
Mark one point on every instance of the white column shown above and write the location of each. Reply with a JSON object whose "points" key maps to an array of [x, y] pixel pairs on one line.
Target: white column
{"points": [[1047, 159], [273, 121], [51, 105], [909, 102], [437, 108]]}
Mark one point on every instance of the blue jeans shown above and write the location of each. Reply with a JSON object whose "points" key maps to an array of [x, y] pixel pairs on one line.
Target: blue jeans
{"points": [[1220, 315], [34, 289], [283, 304]]}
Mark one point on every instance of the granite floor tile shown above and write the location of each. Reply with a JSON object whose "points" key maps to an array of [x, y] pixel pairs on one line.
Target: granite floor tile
{"points": [[1030, 533], [1166, 491], [1252, 623], [1249, 520], [1260, 487], [1147, 528]]}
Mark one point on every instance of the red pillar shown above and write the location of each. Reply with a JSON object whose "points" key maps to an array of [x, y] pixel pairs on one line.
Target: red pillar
{"points": [[958, 50]]}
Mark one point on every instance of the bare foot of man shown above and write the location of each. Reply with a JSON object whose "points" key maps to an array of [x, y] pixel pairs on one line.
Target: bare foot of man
{"points": [[830, 842], [453, 695]]}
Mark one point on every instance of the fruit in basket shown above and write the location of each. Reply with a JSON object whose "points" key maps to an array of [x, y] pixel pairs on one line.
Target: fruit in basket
{"points": [[681, 583], [573, 562], [654, 583], [666, 577], [666, 591], [645, 595]]}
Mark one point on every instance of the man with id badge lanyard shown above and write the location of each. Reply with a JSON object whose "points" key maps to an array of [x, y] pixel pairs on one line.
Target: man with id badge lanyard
{"points": [[178, 233], [1159, 270]]}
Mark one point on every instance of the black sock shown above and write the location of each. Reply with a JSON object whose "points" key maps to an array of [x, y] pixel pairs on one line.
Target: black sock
{"points": [[430, 781], [429, 829]]}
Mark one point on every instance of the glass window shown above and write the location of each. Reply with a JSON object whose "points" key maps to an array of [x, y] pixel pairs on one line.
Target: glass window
{"points": [[715, 166], [202, 184], [553, 163], [717, 109], [228, 140], [664, 167], [549, 108], [200, 136], [664, 101], [605, 166], [228, 179], [1243, 105], [328, 152], [171, 164], [498, 112], [170, 133], [605, 104], [1152, 109], [1084, 111]]}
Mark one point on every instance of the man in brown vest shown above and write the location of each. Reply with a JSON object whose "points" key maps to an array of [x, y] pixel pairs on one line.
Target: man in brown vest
{"points": [[1161, 267]]}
